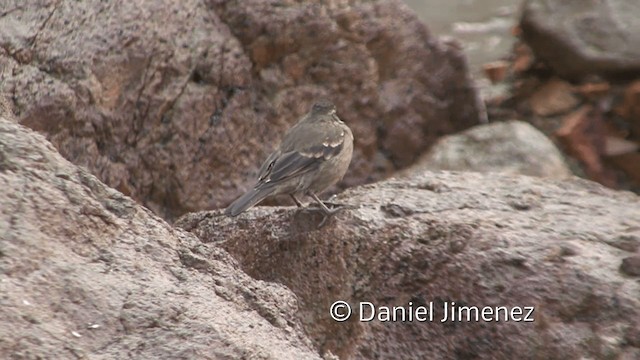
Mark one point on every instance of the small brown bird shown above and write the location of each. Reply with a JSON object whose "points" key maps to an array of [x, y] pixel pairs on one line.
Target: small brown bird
{"points": [[314, 154]]}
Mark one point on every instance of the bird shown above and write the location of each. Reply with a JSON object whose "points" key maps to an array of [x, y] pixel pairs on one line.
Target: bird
{"points": [[314, 154]]}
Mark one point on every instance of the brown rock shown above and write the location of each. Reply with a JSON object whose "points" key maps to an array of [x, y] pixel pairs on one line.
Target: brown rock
{"points": [[631, 265], [473, 239], [496, 71], [524, 58], [552, 98], [87, 273], [594, 90], [630, 108], [178, 103], [583, 135], [516, 31]]}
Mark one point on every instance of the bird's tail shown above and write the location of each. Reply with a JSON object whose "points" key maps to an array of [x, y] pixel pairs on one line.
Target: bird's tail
{"points": [[249, 199]]}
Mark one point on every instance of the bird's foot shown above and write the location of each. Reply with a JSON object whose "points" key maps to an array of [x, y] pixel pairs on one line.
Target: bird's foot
{"points": [[328, 210], [333, 205]]}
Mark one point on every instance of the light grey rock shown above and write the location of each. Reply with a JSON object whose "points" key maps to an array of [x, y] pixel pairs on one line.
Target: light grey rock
{"points": [[513, 147], [579, 38]]}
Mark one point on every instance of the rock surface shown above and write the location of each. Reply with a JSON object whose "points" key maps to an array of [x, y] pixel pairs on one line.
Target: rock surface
{"points": [[512, 147], [469, 238], [580, 38], [177, 103], [87, 273]]}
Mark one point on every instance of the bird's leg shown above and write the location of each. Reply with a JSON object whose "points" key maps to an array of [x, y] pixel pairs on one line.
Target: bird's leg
{"points": [[324, 207], [333, 205], [327, 212], [296, 200]]}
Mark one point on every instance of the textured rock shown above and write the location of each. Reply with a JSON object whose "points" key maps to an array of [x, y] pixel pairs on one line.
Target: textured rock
{"points": [[580, 38], [474, 239], [87, 273], [177, 103], [512, 147]]}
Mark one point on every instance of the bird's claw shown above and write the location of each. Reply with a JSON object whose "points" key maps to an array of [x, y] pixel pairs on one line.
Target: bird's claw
{"points": [[328, 211]]}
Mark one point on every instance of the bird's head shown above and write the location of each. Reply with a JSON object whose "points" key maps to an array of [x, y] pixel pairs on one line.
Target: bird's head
{"points": [[323, 107]]}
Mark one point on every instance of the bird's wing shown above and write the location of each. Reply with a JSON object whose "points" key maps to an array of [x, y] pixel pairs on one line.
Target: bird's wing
{"points": [[291, 164], [267, 166], [303, 157]]}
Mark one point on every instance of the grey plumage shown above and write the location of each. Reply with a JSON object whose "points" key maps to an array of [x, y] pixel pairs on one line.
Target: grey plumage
{"points": [[249, 199], [314, 154]]}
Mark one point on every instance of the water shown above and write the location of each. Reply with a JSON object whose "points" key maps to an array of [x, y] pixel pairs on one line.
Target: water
{"points": [[482, 26]]}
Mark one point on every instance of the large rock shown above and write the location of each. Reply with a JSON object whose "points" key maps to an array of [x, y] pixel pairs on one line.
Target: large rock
{"points": [[87, 273], [512, 147], [176, 103], [580, 38], [565, 248]]}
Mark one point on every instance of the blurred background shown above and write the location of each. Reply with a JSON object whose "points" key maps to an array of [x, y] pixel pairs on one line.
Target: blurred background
{"points": [[482, 26]]}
